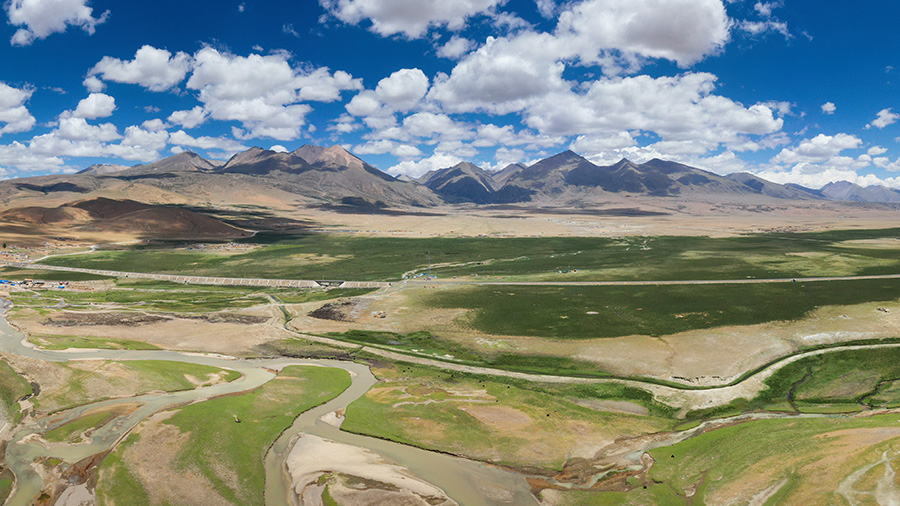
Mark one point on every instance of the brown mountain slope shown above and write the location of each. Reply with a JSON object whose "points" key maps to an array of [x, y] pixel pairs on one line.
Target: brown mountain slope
{"points": [[121, 217]]}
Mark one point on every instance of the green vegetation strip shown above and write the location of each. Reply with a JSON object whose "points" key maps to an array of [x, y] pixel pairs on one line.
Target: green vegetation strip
{"points": [[14, 274], [841, 381], [138, 376], [71, 431], [586, 312], [217, 441], [433, 409], [59, 342], [12, 388], [424, 344], [319, 256]]}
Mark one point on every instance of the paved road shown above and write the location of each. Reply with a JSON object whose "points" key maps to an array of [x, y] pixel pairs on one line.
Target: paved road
{"points": [[657, 282], [204, 280], [305, 283]]}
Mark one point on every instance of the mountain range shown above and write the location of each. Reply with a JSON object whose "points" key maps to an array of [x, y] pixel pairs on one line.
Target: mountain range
{"points": [[314, 175]]}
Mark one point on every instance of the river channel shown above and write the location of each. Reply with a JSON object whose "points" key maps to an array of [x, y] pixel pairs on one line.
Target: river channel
{"points": [[467, 482]]}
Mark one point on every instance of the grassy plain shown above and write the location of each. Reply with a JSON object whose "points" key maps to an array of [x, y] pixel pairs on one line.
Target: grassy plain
{"points": [[318, 256], [788, 461], [223, 441], [584, 312], [511, 422], [15, 274], [12, 388], [848, 380], [426, 344], [66, 385], [63, 342], [71, 432]]}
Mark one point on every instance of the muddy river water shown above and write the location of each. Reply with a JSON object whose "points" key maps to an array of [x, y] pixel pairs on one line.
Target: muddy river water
{"points": [[467, 482]]}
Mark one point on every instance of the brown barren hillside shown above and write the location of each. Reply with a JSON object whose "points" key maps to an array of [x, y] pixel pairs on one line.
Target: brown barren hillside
{"points": [[121, 218]]}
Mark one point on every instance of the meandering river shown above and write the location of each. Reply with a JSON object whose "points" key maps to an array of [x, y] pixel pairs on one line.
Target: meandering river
{"points": [[467, 482]]}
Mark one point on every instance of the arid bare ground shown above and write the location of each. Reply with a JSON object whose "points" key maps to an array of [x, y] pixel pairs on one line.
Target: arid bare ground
{"points": [[611, 218], [316, 464], [169, 331], [151, 459], [700, 357], [80, 381]]}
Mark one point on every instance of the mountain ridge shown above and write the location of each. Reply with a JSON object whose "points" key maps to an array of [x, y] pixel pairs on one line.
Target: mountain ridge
{"points": [[334, 175]]}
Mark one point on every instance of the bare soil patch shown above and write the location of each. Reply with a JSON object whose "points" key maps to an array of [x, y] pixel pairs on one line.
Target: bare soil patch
{"points": [[152, 460], [499, 417]]}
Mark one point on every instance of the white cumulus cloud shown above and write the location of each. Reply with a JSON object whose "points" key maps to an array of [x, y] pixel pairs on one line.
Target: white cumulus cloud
{"points": [[152, 68], [14, 115], [230, 88], [455, 47], [403, 89], [418, 168], [819, 149], [96, 105], [681, 108], [40, 18], [411, 18], [885, 118], [828, 108], [190, 118], [684, 31], [182, 138]]}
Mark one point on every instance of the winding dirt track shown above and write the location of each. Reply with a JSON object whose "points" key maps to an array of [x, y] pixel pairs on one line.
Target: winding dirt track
{"points": [[686, 397], [307, 283]]}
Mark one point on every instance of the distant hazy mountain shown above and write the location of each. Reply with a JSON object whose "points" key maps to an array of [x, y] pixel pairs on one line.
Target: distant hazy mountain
{"points": [[260, 162], [850, 192], [502, 176], [464, 182], [770, 189], [103, 169], [186, 161], [567, 178], [332, 175]]}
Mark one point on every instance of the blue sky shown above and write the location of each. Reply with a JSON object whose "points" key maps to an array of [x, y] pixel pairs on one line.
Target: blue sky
{"points": [[790, 90]]}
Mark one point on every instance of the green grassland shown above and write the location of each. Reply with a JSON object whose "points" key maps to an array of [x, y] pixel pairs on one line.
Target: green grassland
{"points": [[584, 312], [185, 300], [15, 274], [173, 297], [117, 484], [302, 296], [511, 422], [318, 256], [12, 388], [219, 448], [427, 345], [60, 342], [139, 377], [748, 458], [841, 381], [71, 432]]}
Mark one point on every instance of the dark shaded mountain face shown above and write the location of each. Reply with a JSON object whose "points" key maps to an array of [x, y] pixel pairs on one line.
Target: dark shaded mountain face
{"points": [[259, 161], [102, 169], [570, 174], [110, 215], [464, 182], [332, 175], [186, 161], [502, 176], [850, 192], [336, 158], [770, 189]]}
